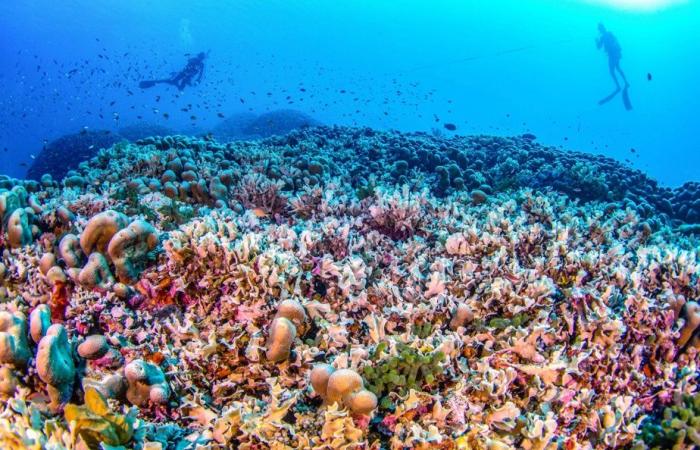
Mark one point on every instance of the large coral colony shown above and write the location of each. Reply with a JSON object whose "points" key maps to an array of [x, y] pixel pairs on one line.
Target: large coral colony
{"points": [[345, 288]]}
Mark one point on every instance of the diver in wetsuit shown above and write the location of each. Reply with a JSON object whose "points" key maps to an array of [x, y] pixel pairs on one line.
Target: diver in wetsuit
{"points": [[185, 77], [609, 43]]}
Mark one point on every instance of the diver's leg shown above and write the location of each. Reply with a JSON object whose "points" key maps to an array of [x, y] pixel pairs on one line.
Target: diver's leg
{"points": [[622, 74], [612, 64]]}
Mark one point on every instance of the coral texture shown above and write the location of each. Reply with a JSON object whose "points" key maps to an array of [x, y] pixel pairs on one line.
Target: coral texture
{"points": [[349, 288]]}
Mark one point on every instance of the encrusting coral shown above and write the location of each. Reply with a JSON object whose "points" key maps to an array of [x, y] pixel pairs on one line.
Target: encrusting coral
{"points": [[348, 288]]}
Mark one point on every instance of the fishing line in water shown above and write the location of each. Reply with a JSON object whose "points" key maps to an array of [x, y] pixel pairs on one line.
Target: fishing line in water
{"points": [[498, 53]]}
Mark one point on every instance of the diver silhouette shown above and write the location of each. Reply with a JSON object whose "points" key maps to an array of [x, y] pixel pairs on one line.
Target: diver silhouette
{"points": [[608, 42], [185, 77]]}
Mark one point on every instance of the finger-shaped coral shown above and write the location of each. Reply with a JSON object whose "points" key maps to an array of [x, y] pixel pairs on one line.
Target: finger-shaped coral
{"points": [[692, 321], [8, 382], [93, 347], [361, 402], [279, 344], [14, 345], [55, 275], [319, 378], [341, 383], [129, 248], [19, 232], [65, 215], [47, 261], [344, 386], [69, 250], [39, 322], [294, 311], [146, 383], [55, 366], [96, 273], [100, 229], [9, 201]]}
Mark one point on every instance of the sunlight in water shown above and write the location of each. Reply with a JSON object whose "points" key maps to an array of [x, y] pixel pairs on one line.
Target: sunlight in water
{"points": [[639, 5]]}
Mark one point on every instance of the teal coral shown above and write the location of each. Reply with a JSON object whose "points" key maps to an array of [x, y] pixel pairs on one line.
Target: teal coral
{"points": [[409, 369], [677, 428]]}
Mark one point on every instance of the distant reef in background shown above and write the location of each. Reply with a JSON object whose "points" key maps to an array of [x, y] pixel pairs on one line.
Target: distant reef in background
{"points": [[483, 165], [245, 126], [67, 152], [143, 130]]}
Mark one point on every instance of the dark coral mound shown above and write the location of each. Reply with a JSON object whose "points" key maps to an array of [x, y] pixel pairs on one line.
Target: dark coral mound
{"points": [[143, 130], [232, 128], [246, 125], [488, 164], [67, 152], [686, 202], [279, 122]]}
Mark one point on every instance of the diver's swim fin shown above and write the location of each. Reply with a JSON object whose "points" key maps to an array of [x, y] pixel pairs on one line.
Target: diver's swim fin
{"points": [[626, 99], [147, 84], [150, 83], [605, 100]]}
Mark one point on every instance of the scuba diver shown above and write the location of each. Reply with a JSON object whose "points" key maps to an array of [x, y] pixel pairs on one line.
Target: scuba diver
{"points": [[608, 42], [185, 77]]}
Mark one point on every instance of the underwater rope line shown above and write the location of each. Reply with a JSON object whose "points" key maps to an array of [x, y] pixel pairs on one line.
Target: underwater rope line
{"points": [[498, 53]]}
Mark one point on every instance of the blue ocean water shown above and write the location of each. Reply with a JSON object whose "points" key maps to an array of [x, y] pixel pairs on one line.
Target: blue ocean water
{"points": [[500, 67]]}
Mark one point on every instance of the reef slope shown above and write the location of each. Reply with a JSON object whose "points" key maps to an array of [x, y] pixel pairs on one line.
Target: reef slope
{"points": [[347, 288]]}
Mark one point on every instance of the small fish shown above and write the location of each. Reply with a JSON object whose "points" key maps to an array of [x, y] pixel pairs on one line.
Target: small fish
{"points": [[649, 76], [193, 117], [450, 126], [166, 115], [259, 213], [220, 115]]}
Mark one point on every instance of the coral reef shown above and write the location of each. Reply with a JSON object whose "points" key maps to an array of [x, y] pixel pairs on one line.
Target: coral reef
{"points": [[54, 364], [66, 153], [247, 125], [348, 288], [678, 427], [142, 130]]}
